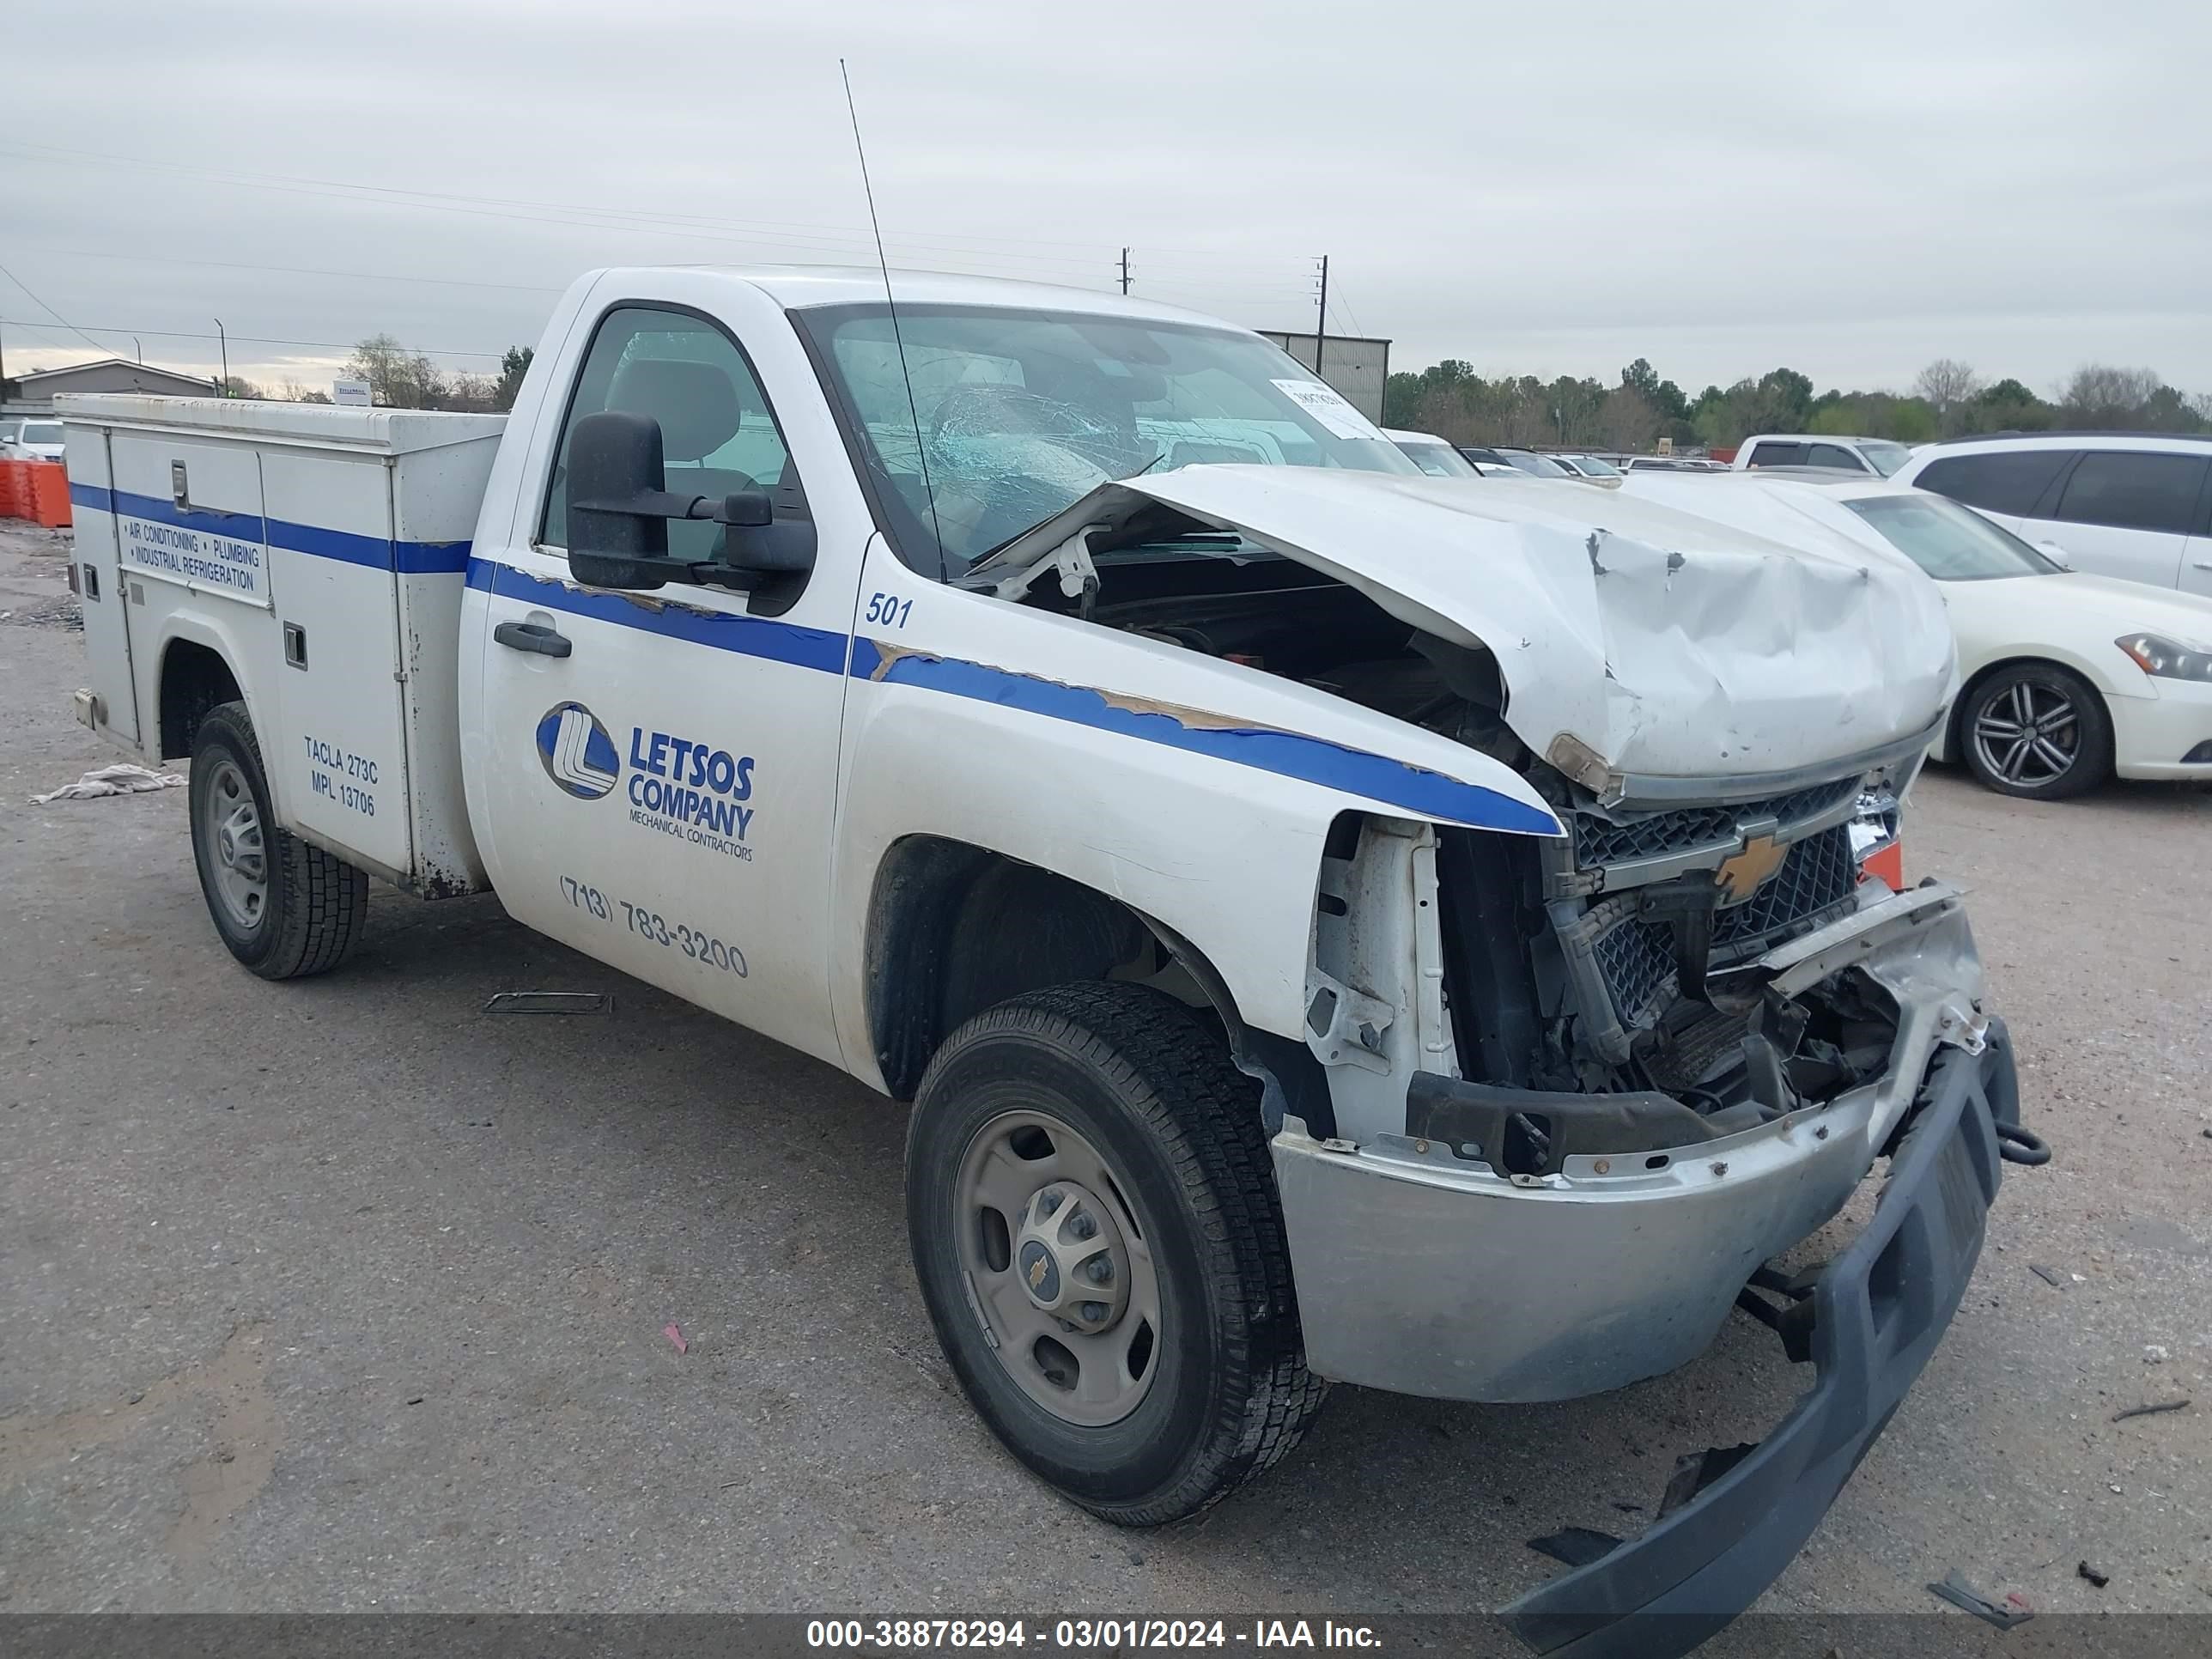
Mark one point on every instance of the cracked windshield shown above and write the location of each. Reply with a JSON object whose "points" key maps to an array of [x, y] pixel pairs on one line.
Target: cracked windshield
{"points": [[1023, 413]]}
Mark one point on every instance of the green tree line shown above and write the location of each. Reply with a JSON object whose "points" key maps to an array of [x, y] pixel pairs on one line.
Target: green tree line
{"points": [[1948, 399]]}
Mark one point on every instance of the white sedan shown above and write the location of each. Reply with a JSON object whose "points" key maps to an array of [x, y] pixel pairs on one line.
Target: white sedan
{"points": [[2065, 679]]}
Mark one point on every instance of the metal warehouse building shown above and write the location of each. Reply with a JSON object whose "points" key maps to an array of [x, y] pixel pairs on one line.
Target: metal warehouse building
{"points": [[1358, 366], [33, 393]]}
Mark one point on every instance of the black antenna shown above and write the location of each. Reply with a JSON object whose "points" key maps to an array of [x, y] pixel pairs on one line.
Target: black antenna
{"points": [[920, 452]]}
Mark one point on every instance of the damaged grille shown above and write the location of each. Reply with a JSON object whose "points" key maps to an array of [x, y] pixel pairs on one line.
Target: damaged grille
{"points": [[1600, 842], [1818, 874], [1636, 958]]}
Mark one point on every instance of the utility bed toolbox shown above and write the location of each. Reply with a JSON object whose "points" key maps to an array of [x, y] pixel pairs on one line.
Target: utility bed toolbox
{"points": [[318, 554]]}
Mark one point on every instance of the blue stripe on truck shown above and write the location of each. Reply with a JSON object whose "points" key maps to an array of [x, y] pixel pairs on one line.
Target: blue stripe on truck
{"points": [[1413, 789], [1265, 749], [748, 636], [408, 558]]}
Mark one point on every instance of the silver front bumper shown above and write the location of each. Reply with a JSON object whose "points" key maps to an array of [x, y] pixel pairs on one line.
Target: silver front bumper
{"points": [[1424, 1273]]}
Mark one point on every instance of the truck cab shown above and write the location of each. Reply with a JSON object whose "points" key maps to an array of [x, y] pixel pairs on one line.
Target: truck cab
{"points": [[1329, 922]]}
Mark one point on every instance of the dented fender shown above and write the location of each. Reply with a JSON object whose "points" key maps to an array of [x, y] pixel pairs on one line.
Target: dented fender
{"points": [[1196, 791]]}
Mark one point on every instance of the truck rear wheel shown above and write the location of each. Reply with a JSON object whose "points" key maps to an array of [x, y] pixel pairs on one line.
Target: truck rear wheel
{"points": [[1095, 1227], [284, 909]]}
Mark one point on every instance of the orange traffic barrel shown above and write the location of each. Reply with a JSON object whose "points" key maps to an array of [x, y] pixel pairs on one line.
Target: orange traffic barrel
{"points": [[14, 499]]}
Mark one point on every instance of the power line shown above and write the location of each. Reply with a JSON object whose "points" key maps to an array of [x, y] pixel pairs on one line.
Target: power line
{"points": [[815, 234], [289, 270], [820, 241], [255, 339], [51, 313], [1344, 304]]}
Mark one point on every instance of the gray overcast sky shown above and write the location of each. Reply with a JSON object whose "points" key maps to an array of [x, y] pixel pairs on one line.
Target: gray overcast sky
{"points": [[1849, 190]]}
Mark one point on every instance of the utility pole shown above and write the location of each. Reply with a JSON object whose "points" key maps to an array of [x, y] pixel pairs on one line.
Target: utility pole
{"points": [[1321, 323], [3, 364], [223, 391], [1125, 271]]}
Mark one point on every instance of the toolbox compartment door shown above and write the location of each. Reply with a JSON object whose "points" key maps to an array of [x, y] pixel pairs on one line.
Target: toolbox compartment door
{"points": [[188, 512], [106, 601], [341, 748]]}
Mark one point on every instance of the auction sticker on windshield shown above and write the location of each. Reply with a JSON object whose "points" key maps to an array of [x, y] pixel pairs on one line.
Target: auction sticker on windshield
{"points": [[1326, 405]]}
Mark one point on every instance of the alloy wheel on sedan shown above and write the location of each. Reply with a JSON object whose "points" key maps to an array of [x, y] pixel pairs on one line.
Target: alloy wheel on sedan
{"points": [[2037, 731]]}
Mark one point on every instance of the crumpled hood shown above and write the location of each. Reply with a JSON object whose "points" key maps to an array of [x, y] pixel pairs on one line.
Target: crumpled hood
{"points": [[1632, 638]]}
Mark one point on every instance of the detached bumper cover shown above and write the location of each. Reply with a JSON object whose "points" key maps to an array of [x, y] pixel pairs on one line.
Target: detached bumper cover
{"points": [[1880, 1309], [1426, 1273]]}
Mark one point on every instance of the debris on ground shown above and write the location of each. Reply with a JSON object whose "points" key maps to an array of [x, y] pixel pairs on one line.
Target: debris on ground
{"points": [[1959, 1594], [1576, 1546], [2154, 1355], [61, 612], [2048, 1275], [2100, 1579], [675, 1334], [121, 779], [2180, 1403], [551, 1002]]}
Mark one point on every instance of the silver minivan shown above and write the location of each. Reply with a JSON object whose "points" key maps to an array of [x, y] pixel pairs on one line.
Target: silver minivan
{"points": [[2133, 505]]}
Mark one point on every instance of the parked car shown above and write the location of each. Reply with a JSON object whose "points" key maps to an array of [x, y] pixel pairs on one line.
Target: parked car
{"points": [[1432, 455], [1588, 468], [1329, 922], [39, 438], [2137, 505], [1635, 464], [1536, 465], [1480, 454], [1878, 457], [2065, 679]]}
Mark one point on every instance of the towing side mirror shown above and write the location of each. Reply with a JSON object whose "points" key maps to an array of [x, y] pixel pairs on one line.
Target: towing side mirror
{"points": [[616, 536], [619, 506]]}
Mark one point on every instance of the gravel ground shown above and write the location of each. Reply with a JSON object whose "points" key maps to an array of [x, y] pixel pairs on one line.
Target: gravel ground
{"points": [[343, 1296]]}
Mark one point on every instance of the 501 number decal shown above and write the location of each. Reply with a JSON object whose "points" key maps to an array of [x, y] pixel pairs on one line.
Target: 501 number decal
{"points": [[656, 929], [888, 610]]}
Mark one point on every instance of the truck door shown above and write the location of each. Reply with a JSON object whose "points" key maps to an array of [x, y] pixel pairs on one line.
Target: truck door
{"points": [[659, 779], [105, 601]]}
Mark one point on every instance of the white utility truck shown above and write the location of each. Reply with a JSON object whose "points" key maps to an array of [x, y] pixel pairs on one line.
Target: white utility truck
{"points": [[1331, 922]]}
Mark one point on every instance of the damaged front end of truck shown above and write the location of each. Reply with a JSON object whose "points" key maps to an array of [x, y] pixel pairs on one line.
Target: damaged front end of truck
{"points": [[1583, 1089]]}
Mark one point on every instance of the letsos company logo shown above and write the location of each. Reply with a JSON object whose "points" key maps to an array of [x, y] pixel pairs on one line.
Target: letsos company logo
{"points": [[578, 753]]}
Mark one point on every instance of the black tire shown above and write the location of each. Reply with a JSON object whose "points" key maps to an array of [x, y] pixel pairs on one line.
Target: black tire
{"points": [[2086, 738], [1150, 1086], [316, 905]]}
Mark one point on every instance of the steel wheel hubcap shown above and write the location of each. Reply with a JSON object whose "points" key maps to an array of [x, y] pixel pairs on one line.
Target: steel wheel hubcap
{"points": [[2029, 734], [230, 824], [1058, 1271]]}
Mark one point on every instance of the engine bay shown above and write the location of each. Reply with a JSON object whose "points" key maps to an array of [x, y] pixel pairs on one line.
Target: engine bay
{"points": [[1589, 979]]}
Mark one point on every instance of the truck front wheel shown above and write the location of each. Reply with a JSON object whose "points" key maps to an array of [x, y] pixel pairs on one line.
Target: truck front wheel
{"points": [[283, 907], [1095, 1230]]}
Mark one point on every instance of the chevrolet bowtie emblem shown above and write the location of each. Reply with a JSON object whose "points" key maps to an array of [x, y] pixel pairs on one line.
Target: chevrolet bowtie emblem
{"points": [[1036, 1272], [1740, 876]]}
